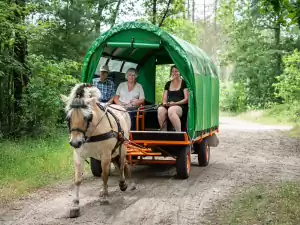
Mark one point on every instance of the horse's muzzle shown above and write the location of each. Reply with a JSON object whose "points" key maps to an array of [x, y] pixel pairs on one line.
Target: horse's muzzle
{"points": [[76, 144]]}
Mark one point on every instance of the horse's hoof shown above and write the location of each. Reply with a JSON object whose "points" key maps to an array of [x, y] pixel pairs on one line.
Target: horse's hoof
{"points": [[123, 186], [104, 202], [75, 202], [75, 212], [133, 188], [103, 194]]}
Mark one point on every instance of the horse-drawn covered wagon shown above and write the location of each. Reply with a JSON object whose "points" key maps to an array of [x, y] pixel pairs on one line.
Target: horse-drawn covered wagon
{"points": [[185, 123], [144, 46]]}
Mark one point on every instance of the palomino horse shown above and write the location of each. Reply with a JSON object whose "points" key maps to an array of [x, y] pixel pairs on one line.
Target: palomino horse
{"points": [[96, 131]]}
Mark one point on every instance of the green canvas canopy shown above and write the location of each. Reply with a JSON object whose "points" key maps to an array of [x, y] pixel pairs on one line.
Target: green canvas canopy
{"points": [[148, 45]]}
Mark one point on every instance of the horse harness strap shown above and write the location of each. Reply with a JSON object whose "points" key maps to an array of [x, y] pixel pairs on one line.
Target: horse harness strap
{"points": [[111, 134], [103, 137]]}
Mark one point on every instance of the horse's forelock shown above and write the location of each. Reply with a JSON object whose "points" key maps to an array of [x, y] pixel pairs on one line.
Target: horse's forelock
{"points": [[93, 92], [82, 91], [79, 104]]}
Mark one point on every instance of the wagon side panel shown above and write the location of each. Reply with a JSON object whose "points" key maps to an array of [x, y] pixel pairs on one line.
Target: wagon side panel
{"points": [[215, 102], [207, 103]]}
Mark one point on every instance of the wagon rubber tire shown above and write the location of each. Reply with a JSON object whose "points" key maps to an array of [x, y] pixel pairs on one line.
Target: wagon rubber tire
{"points": [[183, 163], [203, 150], [96, 167]]}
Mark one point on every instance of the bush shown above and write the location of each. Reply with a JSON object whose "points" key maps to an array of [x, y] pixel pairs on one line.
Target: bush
{"points": [[41, 104], [232, 97], [288, 85], [288, 113]]}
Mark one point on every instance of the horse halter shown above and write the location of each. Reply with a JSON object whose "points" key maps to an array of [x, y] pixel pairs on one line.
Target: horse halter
{"points": [[88, 120]]}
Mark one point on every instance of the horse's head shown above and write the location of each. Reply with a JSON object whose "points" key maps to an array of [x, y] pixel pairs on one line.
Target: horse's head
{"points": [[79, 109]]}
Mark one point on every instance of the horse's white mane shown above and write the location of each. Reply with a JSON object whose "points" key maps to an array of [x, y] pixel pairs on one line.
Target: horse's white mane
{"points": [[82, 92], [89, 91]]}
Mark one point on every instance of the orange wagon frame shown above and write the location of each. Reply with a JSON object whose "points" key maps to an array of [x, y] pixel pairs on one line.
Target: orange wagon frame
{"points": [[143, 148]]}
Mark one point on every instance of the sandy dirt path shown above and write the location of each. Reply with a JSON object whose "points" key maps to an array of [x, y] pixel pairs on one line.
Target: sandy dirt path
{"points": [[247, 153]]}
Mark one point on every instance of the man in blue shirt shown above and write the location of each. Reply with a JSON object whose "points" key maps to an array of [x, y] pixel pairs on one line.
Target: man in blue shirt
{"points": [[106, 86]]}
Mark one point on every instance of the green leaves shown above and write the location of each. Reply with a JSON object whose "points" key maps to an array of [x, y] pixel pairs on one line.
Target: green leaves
{"points": [[175, 7], [233, 97], [288, 83], [41, 104], [252, 50]]}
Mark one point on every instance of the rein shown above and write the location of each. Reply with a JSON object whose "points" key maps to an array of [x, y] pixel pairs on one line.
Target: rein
{"points": [[111, 134], [145, 108]]}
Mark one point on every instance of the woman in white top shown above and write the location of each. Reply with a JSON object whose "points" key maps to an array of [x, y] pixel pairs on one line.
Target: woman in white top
{"points": [[130, 93]]}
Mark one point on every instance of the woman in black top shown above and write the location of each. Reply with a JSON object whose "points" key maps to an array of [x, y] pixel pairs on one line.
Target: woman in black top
{"points": [[175, 101]]}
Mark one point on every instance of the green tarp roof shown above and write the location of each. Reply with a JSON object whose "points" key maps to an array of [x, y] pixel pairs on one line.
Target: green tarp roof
{"points": [[147, 33], [197, 69]]}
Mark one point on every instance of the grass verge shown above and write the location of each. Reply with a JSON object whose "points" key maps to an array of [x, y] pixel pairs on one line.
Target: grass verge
{"points": [[263, 204], [276, 115], [33, 163], [295, 132]]}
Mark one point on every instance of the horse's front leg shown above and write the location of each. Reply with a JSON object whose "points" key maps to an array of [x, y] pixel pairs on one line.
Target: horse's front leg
{"points": [[78, 166], [122, 182], [105, 165]]}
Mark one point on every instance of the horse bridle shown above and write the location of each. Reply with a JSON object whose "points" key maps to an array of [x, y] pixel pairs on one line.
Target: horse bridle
{"points": [[87, 119]]}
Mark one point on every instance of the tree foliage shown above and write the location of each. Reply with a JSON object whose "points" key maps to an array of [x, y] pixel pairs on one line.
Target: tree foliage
{"points": [[156, 11], [13, 66], [42, 44], [256, 35], [42, 107], [288, 85]]}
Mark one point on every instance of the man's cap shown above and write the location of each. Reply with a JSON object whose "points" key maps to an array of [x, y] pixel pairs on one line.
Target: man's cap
{"points": [[104, 68]]}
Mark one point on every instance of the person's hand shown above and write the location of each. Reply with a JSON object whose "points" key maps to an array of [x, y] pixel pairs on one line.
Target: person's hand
{"points": [[170, 103], [128, 105], [133, 102]]}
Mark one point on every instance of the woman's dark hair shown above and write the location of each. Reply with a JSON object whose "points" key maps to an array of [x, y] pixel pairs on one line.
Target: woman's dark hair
{"points": [[174, 66]]}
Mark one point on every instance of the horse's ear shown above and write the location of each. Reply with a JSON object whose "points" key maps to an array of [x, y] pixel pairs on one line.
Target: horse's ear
{"points": [[64, 98], [91, 101]]}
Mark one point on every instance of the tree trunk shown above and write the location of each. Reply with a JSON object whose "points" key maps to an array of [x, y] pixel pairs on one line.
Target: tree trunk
{"points": [[101, 5], [204, 13], [165, 14], [20, 75], [215, 9], [154, 12], [115, 14], [277, 44], [277, 9], [193, 19]]}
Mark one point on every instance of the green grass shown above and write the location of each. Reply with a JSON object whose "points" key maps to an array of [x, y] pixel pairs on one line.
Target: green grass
{"points": [[278, 114], [295, 132], [263, 204], [28, 164]]}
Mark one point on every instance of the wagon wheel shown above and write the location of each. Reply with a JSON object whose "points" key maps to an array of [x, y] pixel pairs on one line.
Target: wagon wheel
{"points": [[203, 150], [183, 163], [96, 167]]}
